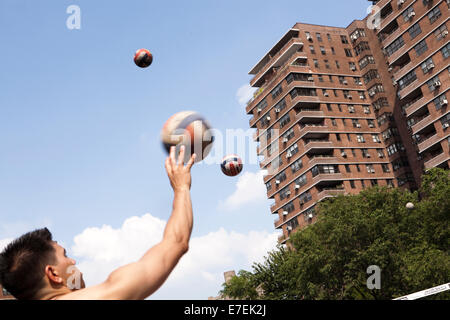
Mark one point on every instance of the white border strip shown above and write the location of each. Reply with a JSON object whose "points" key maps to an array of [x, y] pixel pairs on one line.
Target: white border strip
{"points": [[426, 292]]}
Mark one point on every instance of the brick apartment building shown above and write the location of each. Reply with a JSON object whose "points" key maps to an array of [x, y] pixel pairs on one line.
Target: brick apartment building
{"points": [[341, 109]]}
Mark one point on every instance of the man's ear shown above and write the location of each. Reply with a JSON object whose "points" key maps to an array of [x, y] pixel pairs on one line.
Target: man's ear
{"points": [[52, 274]]}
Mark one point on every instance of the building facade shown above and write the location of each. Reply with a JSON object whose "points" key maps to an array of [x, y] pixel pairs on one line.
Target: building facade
{"points": [[337, 110]]}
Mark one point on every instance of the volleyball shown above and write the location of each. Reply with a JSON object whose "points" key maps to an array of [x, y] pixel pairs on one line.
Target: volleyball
{"points": [[190, 129], [231, 165], [143, 58]]}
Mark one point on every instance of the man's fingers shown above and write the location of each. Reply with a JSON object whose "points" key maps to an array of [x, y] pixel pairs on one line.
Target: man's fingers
{"points": [[191, 161], [168, 166], [172, 156], [181, 156]]}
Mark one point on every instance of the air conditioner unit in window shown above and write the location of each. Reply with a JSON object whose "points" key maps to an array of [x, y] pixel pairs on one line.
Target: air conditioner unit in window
{"points": [[437, 84], [371, 126], [390, 69], [288, 155], [297, 186], [285, 140], [345, 82], [268, 118], [288, 193], [289, 228], [400, 2], [277, 181], [310, 79], [308, 37], [353, 68], [277, 110], [325, 94], [285, 213], [343, 154], [350, 97], [259, 110], [411, 14], [358, 125], [444, 102], [446, 125], [302, 202], [431, 66], [310, 216], [371, 93], [444, 33]]}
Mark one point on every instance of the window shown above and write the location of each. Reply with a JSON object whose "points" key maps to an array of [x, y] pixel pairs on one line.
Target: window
{"points": [[346, 94], [421, 47], [272, 148], [333, 51], [362, 95], [351, 109], [327, 65], [347, 168], [277, 91], [311, 48], [433, 83], [360, 138], [280, 105], [414, 31], [292, 150], [284, 193], [375, 138], [365, 61], [340, 110], [354, 154], [446, 51], [348, 52], [289, 207], [392, 149], [330, 77], [298, 77], [445, 121], [308, 35], [303, 92], [319, 37], [370, 168], [440, 102], [362, 46], [325, 169], [338, 137], [335, 93], [365, 153], [358, 168], [381, 102], [322, 50], [288, 135], [316, 63], [408, 14], [280, 177], [441, 32], [352, 184], [370, 122], [434, 14], [355, 123], [262, 105], [329, 107], [349, 137], [268, 186], [380, 153], [333, 122], [304, 198], [284, 120], [301, 181], [337, 64], [265, 120], [394, 46], [407, 80], [329, 37], [375, 89], [362, 184], [370, 75], [385, 167], [384, 118], [352, 66], [427, 65], [320, 78], [297, 165], [344, 39]]}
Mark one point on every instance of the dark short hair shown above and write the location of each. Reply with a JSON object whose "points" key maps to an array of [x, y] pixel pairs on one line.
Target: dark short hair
{"points": [[23, 262]]}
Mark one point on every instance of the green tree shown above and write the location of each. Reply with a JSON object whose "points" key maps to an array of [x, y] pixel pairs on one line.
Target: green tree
{"points": [[330, 258]]}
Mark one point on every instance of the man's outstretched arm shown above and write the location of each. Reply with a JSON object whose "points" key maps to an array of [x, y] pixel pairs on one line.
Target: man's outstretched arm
{"points": [[140, 279]]}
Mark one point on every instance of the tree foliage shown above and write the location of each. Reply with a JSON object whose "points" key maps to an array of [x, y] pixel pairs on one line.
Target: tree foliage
{"points": [[330, 258]]}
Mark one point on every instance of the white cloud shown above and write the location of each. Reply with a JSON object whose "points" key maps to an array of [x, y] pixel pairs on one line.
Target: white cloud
{"points": [[244, 94], [4, 243], [250, 189], [199, 273]]}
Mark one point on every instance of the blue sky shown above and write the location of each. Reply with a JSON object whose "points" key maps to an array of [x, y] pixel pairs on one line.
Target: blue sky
{"points": [[80, 123]]}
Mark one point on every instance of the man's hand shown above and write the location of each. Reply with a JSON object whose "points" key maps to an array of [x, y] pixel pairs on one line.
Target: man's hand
{"points": [[179, 175]]}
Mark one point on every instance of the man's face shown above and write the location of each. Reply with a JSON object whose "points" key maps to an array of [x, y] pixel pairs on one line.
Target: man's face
{"points": [[72, 277]]}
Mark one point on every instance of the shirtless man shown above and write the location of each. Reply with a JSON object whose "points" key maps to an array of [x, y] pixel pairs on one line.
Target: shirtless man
{"points": [[36, 267]]}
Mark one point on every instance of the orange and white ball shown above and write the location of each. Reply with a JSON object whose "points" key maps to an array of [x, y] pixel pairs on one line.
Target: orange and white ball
{"points": [[231, 165], [190, 129], [143, 58]]}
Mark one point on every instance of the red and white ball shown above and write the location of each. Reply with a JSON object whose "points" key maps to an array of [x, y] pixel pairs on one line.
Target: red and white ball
{"points": [[231, 165], [190, 129], [143, 58]]}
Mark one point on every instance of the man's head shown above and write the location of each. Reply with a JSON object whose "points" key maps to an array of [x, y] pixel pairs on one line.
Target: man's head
{"points": [[33, 263]]}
